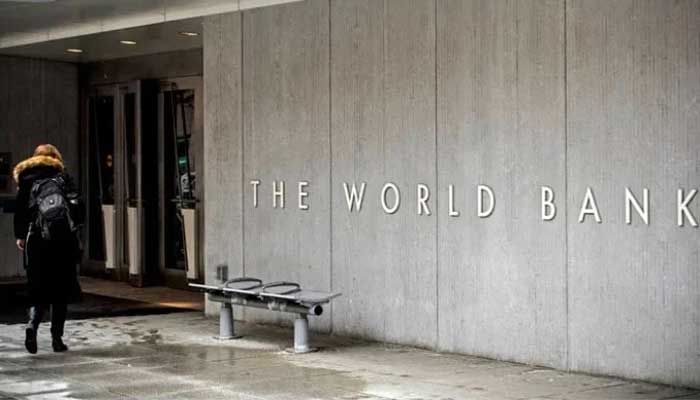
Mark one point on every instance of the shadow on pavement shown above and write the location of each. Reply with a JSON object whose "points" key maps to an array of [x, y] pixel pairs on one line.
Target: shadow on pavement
{"points": [[14, 305]]}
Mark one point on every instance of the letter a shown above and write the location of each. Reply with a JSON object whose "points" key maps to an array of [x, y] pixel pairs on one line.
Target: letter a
{"points": [[589, 207]]}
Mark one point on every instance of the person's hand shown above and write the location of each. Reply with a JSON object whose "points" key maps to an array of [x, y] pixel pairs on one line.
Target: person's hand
{"points": [[20, 244]]}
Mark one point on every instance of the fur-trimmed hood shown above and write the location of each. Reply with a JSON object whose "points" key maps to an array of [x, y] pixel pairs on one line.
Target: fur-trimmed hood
{"points": [[34, 162]]}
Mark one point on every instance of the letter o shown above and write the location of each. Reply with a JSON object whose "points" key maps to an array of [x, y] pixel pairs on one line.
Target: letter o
{"points": [[397, 202]]}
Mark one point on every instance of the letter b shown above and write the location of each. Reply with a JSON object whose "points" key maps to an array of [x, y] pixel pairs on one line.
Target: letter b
{"points": [[549, 210]]}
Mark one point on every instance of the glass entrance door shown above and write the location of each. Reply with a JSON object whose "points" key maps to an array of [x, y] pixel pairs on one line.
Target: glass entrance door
{"points": [[181, 139], [101, 229], [121, 185], [145, 139], [129, 190]]}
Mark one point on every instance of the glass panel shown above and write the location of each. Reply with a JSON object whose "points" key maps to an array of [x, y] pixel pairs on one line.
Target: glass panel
{"points": [[178, 107], [131, 156], [131, 159], [101, 165]]}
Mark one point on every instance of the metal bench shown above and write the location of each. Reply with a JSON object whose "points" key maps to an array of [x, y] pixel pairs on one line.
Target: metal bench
{"points": [[275, 296]]}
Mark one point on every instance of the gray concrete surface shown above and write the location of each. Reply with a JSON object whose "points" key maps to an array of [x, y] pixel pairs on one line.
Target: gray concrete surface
{"points": [[285, 138], [223, 242], [633, 121], [515, 95], [502, 290], [38, 104], [174, 356], [383, 130], [357, 118]]}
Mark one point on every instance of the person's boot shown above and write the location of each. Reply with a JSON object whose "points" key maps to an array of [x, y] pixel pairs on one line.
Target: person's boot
{"points": [[58, 345], [30, 340]]}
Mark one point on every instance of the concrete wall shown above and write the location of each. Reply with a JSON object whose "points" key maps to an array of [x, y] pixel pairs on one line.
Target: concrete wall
{"points": [[38, 104], [285, 114], [633, 77], [514, 95], [501, 122], [383, 130], [223, 141]]}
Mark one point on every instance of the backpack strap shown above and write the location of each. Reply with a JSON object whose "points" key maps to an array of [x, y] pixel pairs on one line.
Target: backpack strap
{"points": [[34, 191]]}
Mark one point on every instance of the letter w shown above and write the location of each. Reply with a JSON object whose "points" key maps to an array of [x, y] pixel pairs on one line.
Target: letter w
{"points": [[352, 197]]}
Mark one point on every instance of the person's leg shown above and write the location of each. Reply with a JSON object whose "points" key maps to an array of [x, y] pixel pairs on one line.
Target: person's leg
{"points": [[58, 321], [36, 314]]}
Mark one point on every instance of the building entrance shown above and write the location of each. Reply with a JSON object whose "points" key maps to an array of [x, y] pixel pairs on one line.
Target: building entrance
{"points": [[143, 139]]}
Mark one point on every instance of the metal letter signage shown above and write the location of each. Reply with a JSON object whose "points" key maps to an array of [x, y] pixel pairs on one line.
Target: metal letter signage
{"points": [[397, 198], [390, 201]]}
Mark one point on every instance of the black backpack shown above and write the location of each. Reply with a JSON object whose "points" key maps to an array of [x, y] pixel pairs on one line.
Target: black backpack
{"points": [[53, 213]]}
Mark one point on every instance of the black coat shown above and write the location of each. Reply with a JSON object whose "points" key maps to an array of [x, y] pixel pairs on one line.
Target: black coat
{"points": [[51, 265]]}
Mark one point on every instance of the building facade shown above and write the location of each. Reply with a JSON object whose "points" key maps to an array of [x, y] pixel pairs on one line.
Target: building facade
{"points": [[510, 179], [454, 94]]}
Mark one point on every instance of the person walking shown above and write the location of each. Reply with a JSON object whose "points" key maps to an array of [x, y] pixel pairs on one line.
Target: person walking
{"points": [[46, 223]]}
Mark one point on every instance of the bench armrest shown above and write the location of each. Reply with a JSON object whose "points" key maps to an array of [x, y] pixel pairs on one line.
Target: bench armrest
{"points": [[295, 287], [256, 282]]}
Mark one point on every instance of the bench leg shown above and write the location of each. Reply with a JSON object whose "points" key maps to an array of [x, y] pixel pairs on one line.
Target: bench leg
{"points": [[226, 322], [301, 334]]}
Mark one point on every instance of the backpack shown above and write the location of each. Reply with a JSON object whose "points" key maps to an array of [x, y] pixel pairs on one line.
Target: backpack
{"points": [[53, 214]]}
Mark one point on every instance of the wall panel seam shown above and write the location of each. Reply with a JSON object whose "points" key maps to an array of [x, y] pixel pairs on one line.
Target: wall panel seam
{"points": [[567, 361], [437, 189], [217, 124], [330, 158], [383, 131], [241, 99]]}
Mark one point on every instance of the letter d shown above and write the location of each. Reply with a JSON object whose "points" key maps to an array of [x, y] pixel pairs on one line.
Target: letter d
{"points": [[481, 189]]}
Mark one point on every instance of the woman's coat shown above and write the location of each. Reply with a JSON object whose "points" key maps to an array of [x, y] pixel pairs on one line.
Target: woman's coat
{"points": [[51, 265]]}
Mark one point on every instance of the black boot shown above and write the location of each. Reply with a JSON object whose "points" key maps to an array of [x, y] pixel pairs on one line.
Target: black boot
{"points": [[36, 314], [58, 345], [58, 321], [30, 340]]}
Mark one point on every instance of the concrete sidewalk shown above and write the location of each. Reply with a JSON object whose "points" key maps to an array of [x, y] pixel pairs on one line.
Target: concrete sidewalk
{"points": [[174, 356]]}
